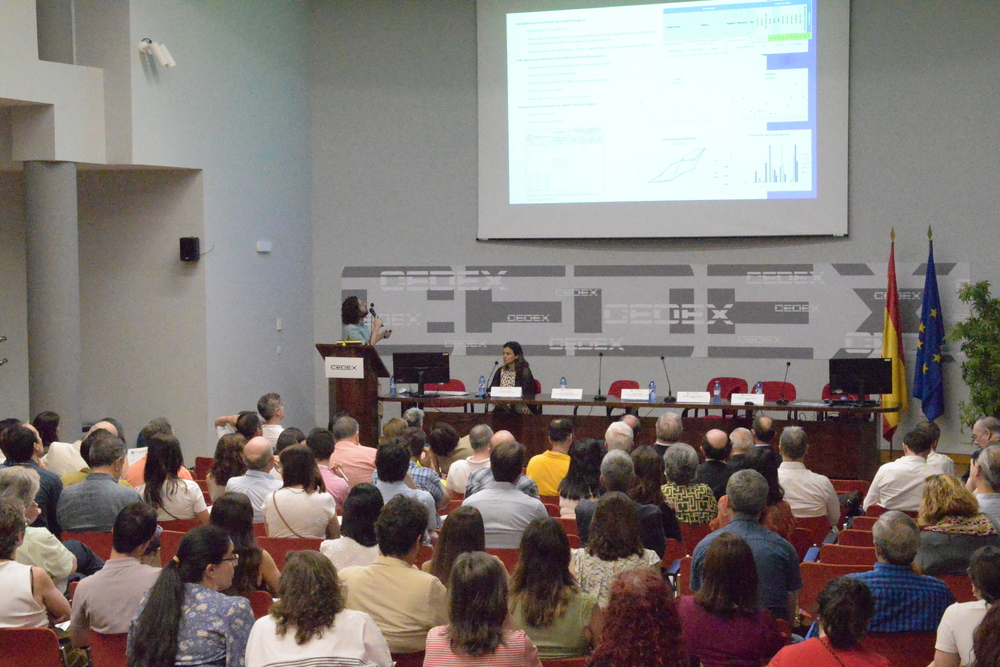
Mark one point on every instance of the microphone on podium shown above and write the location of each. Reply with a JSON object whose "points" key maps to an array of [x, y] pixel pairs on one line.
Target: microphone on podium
{"points": [[783, 400], [669, 398], [600, 366]]}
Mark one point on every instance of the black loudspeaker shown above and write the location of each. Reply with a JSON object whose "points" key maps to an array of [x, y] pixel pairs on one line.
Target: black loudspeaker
{"points": [[190, 249]]}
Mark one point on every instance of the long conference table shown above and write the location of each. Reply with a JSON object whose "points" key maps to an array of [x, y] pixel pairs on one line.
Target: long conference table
{"points": [[843, 440]]}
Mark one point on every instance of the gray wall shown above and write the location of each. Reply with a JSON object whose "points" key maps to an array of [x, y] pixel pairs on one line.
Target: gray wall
{"points": [[393, 104], [13, 297]]}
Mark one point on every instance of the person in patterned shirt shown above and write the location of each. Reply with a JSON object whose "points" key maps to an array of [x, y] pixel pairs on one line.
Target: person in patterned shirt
{"points": [[693, 503]]}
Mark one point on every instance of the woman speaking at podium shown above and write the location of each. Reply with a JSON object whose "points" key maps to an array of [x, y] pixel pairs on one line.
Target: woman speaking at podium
{"points": [[352, 315], [515, 372]]}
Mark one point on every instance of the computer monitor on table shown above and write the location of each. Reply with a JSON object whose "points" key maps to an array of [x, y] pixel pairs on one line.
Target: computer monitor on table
{"points": [[861, 377], [420, 368]]}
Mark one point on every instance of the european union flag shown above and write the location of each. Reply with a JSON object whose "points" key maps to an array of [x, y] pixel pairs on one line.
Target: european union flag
{"points": [[928, 383]]}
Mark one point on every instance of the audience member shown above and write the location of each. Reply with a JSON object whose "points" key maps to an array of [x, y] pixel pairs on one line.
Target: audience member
{"points": [[742, 440], [775, 559], [545, 600], [302, 507], [94, 503], [506, 510], [423, 477], [393, 427], [357, 544], [618, 474], [904, 601], [271, 410], [845, 605], [403, 601], [641, 626], [723, 624], [30, 599], [692, 502], [985, 478], [107, 601], [899, 484], [249, 425], [135, 473], [255, 568], [669, 430], [229, 462], [985, 646], [614, 545], [185, 617], [958, 625], [777, 515], [391, 463], [938, 462], [462, 531], [21, 446], [478, 633], [446, 448], [256, 483], [619, 436], [549, 467], [356, 461], [583, 478], [807, 494], [60, 457], [633, 423], [172, 496], [478, 479], [310, 624], [647, 489], [714, 472], [71, 478], [459, 471], [984, 432], [414, 417], [323, 444], [47, 425], [763, 436], [952, 527]]}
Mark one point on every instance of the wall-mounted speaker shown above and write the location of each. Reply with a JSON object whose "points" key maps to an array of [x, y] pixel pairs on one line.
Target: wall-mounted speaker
{"points": [[190, 249]]}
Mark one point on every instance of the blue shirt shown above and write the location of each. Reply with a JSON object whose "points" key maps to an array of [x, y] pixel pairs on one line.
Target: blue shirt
{"points": [[506, 513], [357, 332], [480, 478], [390, 490], [425, 479], [94, 503], [775, 558], [905, 601], [256, 485]]}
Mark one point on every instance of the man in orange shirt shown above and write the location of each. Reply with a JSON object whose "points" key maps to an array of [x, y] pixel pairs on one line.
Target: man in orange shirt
{"points": [[355, 460], [548, 469]]}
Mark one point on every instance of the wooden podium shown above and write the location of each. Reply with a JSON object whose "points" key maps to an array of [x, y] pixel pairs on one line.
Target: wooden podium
{"points": [[358, 397]]}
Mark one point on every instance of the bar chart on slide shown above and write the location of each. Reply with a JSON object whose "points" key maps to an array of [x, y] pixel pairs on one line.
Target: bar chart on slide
{"points": [[782, 166]]}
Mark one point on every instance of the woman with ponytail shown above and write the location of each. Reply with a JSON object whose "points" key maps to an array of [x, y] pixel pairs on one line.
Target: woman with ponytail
{"points": [[184, 619], [956, 635]]}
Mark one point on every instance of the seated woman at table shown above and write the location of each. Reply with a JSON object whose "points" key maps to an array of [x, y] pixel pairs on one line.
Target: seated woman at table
{"points": [[352, 316], [952, 527], [515, 372]]}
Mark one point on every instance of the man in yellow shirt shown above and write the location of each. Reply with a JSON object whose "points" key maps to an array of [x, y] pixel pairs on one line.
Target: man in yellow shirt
{"points": [[548, 469]]}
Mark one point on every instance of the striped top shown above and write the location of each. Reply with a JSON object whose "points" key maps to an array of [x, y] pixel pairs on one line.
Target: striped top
{"points": [[515, 651]]}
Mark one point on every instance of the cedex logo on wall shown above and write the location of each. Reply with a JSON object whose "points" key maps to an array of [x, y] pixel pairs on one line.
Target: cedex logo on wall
{"points": [[765, 311]]}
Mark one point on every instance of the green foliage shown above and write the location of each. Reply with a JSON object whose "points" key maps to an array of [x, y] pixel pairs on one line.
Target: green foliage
{"points": [[979, 335]]}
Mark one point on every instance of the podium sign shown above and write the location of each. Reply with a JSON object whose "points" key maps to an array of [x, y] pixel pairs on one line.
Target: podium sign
{"points": [[743, 399], [505, 392], [347, 368]]}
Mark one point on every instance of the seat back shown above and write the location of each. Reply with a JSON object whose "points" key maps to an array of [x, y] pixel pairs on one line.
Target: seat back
{"points": [[816, 575], [453, 504], [674, 551], [169, 541], [850, 485], [729, 386], [180, 525], [616, 387], [684, 577], [960, 585], [838, 554], [408, 659], [260, 602], [99, 543], [565, 662], [280, 547], [508, 556], [856, 538], [202, 466], [426, 553], [569, 525], [693, 533], [774, 391], [29, 647], [818, 527], [108, 650], [902, 649], [260, 529], [802, 540], [863, 522]]}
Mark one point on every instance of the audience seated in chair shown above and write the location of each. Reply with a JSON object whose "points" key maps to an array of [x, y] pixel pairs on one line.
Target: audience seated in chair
{"points": [[549, 467], [256, 483], [807, 493], [899, 484], [479, 479], [357, 544], [714, 472], [30, 599], [94, 503], [356, 461]]}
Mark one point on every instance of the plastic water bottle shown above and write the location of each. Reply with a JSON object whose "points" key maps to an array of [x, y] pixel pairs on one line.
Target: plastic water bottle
{"points": [[562, 383], [392, 387], [758, 388], [482, 386], [652, 392], [717, 392]]}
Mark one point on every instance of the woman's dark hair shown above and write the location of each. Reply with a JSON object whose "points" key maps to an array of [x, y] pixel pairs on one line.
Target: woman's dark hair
{"points": [[775, 494], [984, 570], [289, 437], [649, 478], [542, 583], [350, 311], [443, 439], [47, 424], [361, 510], [462, 531], [583, 479], [641, 625], [163, 462], [729, 578], [520, 363], [311, 596], [984, 639], [233, 513], [478, 604], [160, 619], [229, 461], [845, 607], [298, 468], [614, 530]]}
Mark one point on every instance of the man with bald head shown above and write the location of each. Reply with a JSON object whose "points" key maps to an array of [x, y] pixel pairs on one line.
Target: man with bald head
{"points": [[479, 479], [807, 493], [714, 472], [669, 430], [257, 483], [985, 431], [65, 457], [763, 436]]}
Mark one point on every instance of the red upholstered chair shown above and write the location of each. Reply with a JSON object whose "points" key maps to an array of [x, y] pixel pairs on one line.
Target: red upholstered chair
{"points": [[260, 529], [773, 391], [838, 554], [552, 509], [693, 533], [280, 547], [447, 402], [565, 662], [408, 659], [802, 540], [99, 543], [202, 466], [453, 504], [856, 538], [850, 485], [616, 390], [729, 386], [108, 650], [675, 551], [260, 602], [180, 525], [169, 541], [508, 556], [816, 575], [426, 553], [902, 649], [684, 578], [569, 525], [827, 395], [818, 527], [29, 647], [960, 585], [863, 522]]}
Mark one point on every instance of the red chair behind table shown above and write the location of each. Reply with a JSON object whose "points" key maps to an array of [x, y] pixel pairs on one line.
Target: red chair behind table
{"points": [[447, 402], [776, 391], [169, 541], [816, 575], [856, 538], [818, 527], [202, 466], [616, 390], [508, 556], [280, 547], [29, 647], [693, 533], [99, 543], [863, 522], [838, 554], [260, 602], [960, 585], [729, 386], [108, 650], [902, 649], [180, 525]]}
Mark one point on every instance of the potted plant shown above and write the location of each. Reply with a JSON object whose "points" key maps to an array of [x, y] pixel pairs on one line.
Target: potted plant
{"points": [[979, 338]]}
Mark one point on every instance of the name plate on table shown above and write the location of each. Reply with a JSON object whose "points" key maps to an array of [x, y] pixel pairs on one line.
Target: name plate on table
{"points": [[341, 367], [694, 397], [743, 399], [635, 395], [567, 394], [505, 392]]}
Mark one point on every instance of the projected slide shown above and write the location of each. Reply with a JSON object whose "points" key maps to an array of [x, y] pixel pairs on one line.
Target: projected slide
{"points": [[698, 101]]}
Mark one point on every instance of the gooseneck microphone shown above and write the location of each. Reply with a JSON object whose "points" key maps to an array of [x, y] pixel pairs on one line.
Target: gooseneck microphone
{"points": [[600, 366], [489, 379], [784, 383], [669, 398]]}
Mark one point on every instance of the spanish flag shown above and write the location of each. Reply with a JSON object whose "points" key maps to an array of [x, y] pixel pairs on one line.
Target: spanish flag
{"points": [[892, 348]]}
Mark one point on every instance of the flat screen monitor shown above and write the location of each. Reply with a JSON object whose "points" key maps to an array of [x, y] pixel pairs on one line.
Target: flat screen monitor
{"points": [[861, 377], [421, 367]]}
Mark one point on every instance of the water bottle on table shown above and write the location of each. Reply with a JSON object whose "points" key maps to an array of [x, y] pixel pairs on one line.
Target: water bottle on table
{"points": [[652, 392], [716, 392]]}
